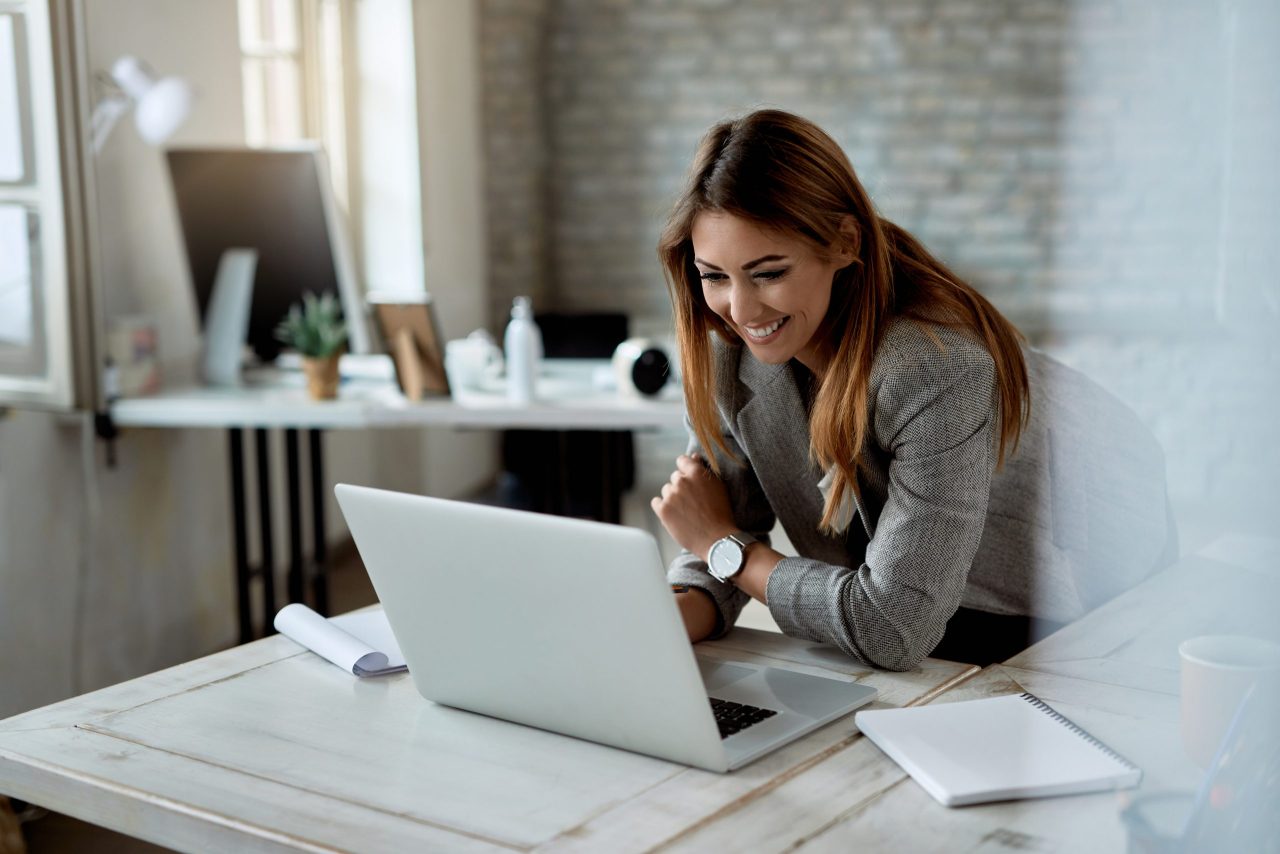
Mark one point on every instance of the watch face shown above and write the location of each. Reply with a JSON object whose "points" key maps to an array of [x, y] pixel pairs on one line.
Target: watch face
{"points": [[725, 559]]}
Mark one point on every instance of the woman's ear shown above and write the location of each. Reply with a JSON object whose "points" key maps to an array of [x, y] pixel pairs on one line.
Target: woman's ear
{"points": [[849, 241]]}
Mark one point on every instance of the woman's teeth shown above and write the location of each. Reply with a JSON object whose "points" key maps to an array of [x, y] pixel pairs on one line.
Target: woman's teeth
{"points": [[762, 332]]}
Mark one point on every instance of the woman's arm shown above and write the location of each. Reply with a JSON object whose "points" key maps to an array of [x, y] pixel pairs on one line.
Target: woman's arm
{"points": [[748, 510], [694, 508], [937, 419]]}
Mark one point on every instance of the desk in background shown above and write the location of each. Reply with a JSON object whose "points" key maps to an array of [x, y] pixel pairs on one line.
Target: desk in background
{"points": [[276, 399]]}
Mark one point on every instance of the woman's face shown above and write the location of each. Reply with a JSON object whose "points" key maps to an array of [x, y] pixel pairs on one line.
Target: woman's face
{"points": [[770, 288]]}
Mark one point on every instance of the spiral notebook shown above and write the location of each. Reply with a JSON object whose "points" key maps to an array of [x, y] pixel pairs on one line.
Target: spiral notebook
{"points": [[996, 749]]}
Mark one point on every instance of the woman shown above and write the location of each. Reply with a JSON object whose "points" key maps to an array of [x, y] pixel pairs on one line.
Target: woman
{"points": [[949, 491]]}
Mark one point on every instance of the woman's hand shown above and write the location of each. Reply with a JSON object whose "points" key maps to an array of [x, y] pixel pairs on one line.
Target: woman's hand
{"points": [[694, 506]]}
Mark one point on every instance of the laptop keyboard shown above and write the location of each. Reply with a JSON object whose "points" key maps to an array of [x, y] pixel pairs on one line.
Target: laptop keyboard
{"points": [[735, 717]]}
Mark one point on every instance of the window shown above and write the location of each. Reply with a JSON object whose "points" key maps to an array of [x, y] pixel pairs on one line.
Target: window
{"points": [[293, 55], [272, 70], [36, 347]]}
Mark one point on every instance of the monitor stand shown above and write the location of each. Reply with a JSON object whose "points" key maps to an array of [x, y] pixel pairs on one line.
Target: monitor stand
{"points": [[227, 320]]}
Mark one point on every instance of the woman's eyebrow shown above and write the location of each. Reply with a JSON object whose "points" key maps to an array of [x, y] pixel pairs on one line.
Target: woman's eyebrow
{"points": [[763, 259]]}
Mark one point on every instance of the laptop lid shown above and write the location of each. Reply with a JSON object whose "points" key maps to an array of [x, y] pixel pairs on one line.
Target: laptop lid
{"points": [[556, 623]]}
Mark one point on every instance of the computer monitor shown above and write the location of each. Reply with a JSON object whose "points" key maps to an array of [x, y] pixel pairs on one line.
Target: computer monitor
{"points": [[278, 202]]}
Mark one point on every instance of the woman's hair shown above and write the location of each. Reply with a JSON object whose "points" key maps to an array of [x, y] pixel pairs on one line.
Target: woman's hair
{"points": [[786, 175]]}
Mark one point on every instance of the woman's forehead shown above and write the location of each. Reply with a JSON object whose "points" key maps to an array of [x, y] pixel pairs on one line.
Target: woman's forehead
{"points": [[731, 236]]}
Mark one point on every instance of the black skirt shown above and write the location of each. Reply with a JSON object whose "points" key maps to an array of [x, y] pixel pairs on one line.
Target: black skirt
{"points": [[983, 638]]}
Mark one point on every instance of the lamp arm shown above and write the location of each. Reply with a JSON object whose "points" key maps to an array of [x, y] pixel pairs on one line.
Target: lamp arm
{"points": [[105, 116]]}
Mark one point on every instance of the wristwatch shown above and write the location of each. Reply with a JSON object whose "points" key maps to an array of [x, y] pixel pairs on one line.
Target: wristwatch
{"points": [[729, 554]]}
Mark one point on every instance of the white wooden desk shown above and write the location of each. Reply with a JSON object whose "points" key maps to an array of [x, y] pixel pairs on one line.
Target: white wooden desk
{"points": [[369, 399], [267, 747]]}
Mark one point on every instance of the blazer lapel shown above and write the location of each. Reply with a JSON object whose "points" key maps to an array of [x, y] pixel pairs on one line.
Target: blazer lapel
{"points": [[860, 502], [773, 429]]}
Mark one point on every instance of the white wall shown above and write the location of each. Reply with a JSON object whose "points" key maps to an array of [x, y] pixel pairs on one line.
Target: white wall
{"points": [[455, 246], [390, 204]]}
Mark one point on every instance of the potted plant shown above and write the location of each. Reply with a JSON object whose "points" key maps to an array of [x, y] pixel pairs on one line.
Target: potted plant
{"points": [[316, 330]]}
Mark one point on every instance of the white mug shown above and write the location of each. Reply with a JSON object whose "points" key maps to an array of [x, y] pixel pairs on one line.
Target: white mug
{"points": [[1217, 673], [467, 359]]}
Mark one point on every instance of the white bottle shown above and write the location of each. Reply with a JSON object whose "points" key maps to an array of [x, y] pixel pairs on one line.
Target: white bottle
{"points": [[523, 346]]}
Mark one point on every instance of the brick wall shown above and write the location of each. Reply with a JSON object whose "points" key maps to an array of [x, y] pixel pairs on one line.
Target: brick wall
{"points": [[513, 55], [1098, 168]]}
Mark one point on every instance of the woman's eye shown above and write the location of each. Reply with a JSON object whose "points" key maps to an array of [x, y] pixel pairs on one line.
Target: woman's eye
{"points": [[712, 278], [770, 275]]}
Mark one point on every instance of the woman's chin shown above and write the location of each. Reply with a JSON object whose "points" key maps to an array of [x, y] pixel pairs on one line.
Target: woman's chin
{"points": [[767, 354]]}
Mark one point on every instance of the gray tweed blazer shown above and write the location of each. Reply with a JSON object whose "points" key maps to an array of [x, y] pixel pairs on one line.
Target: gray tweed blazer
{"points": [[1076, 515]]}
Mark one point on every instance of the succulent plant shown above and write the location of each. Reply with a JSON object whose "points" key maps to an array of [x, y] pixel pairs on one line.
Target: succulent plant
{"points": [[315, 327]]}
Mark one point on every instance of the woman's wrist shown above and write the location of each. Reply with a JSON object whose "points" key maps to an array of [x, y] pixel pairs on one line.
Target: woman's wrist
{"points": [[761, 561], [698, 610]]}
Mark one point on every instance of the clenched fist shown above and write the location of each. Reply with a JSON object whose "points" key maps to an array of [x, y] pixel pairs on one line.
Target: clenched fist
{"points": [[694, 506]]}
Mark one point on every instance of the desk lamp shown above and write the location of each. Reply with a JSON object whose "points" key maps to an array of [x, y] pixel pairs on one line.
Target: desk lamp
{"points": [[161, 104]]}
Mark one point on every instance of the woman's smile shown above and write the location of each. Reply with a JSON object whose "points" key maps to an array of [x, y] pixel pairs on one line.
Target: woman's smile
{"points": [[766, 333]]}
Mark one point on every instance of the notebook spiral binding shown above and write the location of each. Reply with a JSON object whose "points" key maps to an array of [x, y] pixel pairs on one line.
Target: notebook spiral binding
{"points": [[1057, 716]]}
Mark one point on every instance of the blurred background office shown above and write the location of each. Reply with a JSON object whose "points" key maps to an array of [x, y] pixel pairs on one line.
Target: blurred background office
{"points": [[1103, 170]]}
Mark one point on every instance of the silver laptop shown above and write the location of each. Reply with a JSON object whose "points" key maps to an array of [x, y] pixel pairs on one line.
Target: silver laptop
{"points": [[569, 626]]}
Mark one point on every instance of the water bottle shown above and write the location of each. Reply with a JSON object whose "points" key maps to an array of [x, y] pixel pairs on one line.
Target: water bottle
{"points": [[523, 346]]}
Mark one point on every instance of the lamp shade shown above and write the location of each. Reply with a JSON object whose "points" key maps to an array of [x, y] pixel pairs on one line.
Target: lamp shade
{"points": [[162, 104], [163, 110]]}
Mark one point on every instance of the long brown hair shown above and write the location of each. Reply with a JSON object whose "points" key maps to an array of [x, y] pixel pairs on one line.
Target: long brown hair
{"points": [[785, 174]]}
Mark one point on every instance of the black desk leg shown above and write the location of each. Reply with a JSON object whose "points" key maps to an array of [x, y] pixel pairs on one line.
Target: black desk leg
{"points": [[560, 503], [268, 568], [239, 533], [611, 478], [320, 581], [297, 592]]}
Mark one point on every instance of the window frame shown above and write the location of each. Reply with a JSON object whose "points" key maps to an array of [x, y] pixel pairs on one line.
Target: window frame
{"points": [[56, 186]]}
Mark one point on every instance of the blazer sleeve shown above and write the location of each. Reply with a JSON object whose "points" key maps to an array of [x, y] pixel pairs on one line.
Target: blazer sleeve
{"points": [[751, 513], [937, 421]]}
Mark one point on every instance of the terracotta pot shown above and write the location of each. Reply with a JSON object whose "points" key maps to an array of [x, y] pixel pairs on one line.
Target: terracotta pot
{"points": [[322, 377]]}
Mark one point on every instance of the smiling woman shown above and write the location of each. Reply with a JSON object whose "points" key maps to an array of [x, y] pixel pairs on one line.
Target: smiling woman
{"points": [[835, 370]]}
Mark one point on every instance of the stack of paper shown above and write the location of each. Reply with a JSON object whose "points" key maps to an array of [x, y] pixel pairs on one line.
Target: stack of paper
{"points": [[359, 643]]}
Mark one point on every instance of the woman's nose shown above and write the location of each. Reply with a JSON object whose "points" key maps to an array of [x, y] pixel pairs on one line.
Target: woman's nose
{"points": [[743, 304]]}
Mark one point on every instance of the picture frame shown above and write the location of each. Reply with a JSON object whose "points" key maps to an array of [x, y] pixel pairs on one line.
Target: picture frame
{"points": [[411, 332]]}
